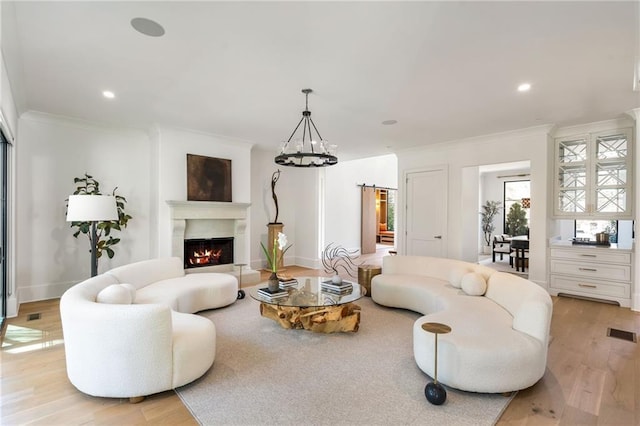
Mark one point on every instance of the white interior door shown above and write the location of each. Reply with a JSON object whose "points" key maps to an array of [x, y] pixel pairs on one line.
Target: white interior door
{"points": [[426, 213]]}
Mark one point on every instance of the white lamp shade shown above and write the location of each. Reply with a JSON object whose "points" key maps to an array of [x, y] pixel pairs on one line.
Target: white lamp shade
{"points": [[87, 208]]}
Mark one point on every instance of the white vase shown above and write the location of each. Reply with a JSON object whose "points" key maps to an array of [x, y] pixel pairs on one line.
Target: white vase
{"points": [[336, 279]]}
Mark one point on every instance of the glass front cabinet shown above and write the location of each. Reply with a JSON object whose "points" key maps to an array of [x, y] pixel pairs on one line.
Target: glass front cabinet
{"points": [[593, 175]]}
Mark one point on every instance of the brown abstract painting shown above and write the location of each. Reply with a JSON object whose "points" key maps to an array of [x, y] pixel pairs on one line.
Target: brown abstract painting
{"points": [[208, 178]]}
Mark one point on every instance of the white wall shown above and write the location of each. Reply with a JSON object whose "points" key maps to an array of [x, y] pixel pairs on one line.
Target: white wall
{"points": [[317, 206], [170, 149], [8, 52], [147, 167], [52, 151], [470, 200], [8, 113], [308, 199], [263, 207], [526, 144]]}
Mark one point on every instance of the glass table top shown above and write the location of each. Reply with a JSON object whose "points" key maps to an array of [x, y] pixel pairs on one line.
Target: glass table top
{"points": [[308, 292]]}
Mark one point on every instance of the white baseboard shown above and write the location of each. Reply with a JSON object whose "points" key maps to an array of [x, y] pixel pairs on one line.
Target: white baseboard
{"points": [[635, 302], [43, 292], [12, 307], [308, 263]]}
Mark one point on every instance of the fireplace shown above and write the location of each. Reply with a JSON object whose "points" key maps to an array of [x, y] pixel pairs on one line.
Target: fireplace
{"points": [[204, 220], [200, 252]]}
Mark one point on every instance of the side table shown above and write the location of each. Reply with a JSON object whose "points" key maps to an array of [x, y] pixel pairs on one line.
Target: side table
{"points": [[365, 273], [240, 290], [434, 391]]}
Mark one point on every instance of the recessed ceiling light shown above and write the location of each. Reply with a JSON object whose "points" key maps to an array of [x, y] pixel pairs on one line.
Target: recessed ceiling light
{"points": [[524, 87], [147, 27], [108, 94], [389, 122]]}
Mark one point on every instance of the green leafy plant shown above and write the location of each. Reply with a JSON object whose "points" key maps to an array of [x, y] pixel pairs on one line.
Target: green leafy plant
{"points": [[87, 185], [516, 220], [489, 211]]}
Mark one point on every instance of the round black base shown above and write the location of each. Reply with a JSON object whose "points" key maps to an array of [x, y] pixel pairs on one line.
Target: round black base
{"points": [[435, 393], [240, 294]]}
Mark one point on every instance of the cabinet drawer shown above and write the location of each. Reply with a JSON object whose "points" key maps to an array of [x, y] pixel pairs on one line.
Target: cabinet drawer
{"points": [[592, 270], [593, 254], [596, 288]]}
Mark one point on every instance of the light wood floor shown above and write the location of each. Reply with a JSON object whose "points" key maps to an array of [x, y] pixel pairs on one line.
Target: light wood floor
{"points": [[591, 379]]}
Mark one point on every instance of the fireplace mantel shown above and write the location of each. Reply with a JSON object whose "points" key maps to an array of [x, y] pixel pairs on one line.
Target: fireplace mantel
{"points": [[207, 210], [223, 219]]}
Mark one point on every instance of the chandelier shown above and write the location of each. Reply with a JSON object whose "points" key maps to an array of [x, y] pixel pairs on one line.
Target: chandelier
{"points": [[307, 151]]}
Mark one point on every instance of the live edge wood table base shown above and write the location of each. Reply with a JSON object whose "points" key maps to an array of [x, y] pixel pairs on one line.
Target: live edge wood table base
{"points": [[327, 319], [308, 304]]}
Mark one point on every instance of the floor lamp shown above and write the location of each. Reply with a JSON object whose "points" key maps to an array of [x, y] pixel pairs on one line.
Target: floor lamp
{"points": [[94, 209]]}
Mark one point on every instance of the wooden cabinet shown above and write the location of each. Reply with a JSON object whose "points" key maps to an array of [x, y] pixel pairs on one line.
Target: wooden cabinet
{"points": [[597, 272], [593, 175]]}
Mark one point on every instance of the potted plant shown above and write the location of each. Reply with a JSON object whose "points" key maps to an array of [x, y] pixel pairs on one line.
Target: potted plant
{"points": [[489, 211], [87, 185], [280, 244]]}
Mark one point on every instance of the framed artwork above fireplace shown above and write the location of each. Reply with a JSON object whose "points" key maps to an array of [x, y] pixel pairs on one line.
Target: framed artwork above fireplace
{"points": [[208, 178]]}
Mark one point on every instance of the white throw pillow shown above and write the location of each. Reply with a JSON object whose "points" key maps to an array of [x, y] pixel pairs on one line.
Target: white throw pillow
{"points": [[132, 290], [115, 294], [456, 274], [474, 284]]}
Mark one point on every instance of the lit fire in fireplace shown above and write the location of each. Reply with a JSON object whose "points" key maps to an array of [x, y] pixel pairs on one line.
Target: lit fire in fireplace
{"points": [[204, 252], [204, 257]]}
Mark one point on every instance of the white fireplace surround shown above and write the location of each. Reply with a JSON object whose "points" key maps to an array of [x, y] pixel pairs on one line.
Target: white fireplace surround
{"points": [[212, 219]]}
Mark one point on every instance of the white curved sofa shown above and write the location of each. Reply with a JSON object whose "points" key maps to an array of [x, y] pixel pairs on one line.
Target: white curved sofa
{"points": [[128, 350], [498, 341]]}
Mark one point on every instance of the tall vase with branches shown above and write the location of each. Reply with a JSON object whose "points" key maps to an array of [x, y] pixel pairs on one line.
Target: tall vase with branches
{"points": [[489, 211]]}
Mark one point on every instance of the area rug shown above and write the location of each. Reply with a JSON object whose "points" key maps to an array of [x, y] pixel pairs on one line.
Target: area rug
{"points": [[264, 374]]}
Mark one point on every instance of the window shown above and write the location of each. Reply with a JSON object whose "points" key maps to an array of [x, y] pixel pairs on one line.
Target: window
{"points": [[517, 192], [589, 228], [4, 147]]}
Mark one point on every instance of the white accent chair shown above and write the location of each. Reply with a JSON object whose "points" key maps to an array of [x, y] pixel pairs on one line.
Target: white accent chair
{"points": [[129, 350], [501, 245]]}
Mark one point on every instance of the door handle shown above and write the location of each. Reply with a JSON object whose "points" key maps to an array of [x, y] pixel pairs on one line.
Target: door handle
{"points": [[438, 237]]}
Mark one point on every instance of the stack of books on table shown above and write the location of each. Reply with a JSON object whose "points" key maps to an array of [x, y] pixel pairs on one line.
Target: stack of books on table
{"points": [[276, 294], [329, 286], [288, 283]]}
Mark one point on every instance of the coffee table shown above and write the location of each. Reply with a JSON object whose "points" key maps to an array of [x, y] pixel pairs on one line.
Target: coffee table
{"points": [[307, 306]]}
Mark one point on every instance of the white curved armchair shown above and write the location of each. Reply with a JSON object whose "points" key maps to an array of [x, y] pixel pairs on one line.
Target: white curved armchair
{"points": [[134, 350]]}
